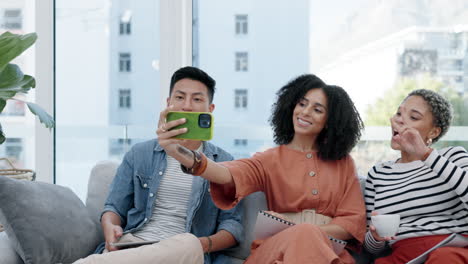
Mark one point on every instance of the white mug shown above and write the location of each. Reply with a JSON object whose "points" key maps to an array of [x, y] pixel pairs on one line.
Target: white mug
{"points": [[386, 225]]}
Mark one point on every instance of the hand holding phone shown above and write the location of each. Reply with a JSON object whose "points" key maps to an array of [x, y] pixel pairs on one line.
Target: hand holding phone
{"points": [[198, 124]]}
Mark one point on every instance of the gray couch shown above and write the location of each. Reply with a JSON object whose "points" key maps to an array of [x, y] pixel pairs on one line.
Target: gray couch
{"points": [[22, 243]]}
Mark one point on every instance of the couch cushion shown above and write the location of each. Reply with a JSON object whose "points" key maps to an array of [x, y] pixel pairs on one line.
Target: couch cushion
{"points": [[46, 223], [252, 204], [8, 254]]}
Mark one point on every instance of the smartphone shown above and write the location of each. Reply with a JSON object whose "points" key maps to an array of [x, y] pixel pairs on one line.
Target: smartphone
{"points": [[199, 124], [124, 245]]}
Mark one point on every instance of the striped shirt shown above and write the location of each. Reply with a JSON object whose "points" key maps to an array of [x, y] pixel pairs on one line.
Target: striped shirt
{"points": [[430, 196], [169, 215]]}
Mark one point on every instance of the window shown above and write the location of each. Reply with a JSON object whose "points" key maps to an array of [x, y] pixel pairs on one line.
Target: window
{"points": [[12, 19], [125, 98], [117, 115], [240, 142], [415, 61], [242, 61], [450, 65], [125, 23], [118, 147], [13, 149], [125, 28], [454, 40], [240, 99], [16, 120], [242, 24], [412, 51], [458, 65], [125, 62], [14, 108]]}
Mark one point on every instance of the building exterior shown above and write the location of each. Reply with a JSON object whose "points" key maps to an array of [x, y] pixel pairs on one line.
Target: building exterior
{"points": [[134, 98], [251, 48], [17, 16], [108, 98], [369, 71], [441, 52], [81, 90]]}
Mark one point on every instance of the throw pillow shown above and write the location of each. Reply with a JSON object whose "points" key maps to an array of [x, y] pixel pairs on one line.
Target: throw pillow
{"points": [[46, 223]]}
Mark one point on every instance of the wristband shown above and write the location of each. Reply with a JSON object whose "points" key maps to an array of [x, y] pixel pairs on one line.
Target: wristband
{"points": [[210, 245], [200, 162]]}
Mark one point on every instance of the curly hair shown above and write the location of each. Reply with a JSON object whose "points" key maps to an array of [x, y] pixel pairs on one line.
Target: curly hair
{"points": [[440, 108], [343, 127]]}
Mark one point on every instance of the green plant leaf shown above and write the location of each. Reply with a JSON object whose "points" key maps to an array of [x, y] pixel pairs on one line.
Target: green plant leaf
{"points": [[12, 45], [2, 135], [12, 79], [44, 117], [2, 105], [5, 95], [10, 75]]}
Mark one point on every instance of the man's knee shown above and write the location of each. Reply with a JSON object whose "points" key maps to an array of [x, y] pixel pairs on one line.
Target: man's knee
{"points": [[186, 238], [186, 241]]}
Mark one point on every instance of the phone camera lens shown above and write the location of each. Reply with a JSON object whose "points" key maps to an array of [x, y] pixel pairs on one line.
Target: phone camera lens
{"points": [[204, 120]]}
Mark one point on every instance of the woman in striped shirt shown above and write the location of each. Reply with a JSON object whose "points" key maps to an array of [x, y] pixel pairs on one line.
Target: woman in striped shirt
{"points": [[428, 188]]}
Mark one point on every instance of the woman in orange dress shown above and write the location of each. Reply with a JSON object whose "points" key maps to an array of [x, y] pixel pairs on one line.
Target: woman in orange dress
{"points": [[315, 126]]}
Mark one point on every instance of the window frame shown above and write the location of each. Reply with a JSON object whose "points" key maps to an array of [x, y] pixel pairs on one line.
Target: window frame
{"points": [[175, 49]]}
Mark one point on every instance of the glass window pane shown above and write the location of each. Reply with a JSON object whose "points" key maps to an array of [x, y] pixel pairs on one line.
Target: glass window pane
{"points": [[107, 87], [263, 62], [377, 63], [18, 124]]}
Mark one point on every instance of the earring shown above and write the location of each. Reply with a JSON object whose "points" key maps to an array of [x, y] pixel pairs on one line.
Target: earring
{"points": [[429, 141]]}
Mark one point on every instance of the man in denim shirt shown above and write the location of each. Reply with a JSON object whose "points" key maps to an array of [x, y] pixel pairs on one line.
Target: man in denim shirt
{"points": [[152, 199]]}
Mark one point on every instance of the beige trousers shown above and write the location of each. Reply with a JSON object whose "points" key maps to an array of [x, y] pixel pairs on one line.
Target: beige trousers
{"points": [[181, 248]]}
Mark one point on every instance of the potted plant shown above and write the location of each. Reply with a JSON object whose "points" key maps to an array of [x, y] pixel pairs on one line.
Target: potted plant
{"points": [[13, 80]]}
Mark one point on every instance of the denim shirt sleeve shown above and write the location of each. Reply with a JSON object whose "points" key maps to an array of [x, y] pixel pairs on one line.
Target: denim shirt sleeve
{"points": [[120, 197], [231, 220]]}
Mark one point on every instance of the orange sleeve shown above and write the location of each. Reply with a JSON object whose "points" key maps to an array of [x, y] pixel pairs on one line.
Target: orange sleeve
{"points": [[351, 212], [248, 177]]}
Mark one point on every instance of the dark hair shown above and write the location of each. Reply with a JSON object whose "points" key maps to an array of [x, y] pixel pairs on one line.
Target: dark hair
{"points": [[440, 108], [195, 74], [343, 128]]}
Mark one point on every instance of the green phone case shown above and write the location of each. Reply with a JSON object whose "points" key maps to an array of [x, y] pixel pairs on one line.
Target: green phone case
{"points": [[195, 132]]}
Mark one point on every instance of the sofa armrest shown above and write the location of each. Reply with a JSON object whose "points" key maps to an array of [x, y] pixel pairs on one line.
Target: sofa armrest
{"points": [[252, 204]]}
